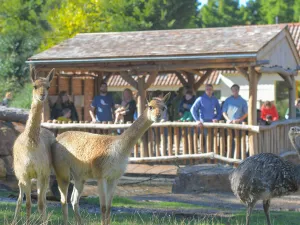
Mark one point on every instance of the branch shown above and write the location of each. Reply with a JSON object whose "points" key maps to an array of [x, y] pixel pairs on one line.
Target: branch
{"points": [[13, 114]]}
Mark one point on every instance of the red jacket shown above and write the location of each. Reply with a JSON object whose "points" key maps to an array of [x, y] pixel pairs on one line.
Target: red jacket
{"points": [[269, 111]]}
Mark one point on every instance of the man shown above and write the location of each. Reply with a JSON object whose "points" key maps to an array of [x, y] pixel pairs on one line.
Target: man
{"points": [[103, 104], [206, 108], [235, 109]]}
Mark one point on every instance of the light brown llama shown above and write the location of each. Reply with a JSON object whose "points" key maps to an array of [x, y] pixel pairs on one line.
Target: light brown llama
{"points": [[101, 157], [31, 150]]}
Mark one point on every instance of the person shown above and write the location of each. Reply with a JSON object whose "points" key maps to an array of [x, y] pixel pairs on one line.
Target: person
{"points": [[268, 113], [175, 103], [6, 99], [186, 105], [66, 115], [103, 104], [127, 108], [63, 102], [235, 109], [206, 108], [297, 106]]}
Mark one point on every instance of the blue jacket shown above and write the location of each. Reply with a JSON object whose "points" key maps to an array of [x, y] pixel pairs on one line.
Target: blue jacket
{"points": [[205, 109]]}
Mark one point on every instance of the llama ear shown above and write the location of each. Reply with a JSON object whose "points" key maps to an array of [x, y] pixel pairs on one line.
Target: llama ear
{"points": [[32, 74], [51, 75], [166, 97]]}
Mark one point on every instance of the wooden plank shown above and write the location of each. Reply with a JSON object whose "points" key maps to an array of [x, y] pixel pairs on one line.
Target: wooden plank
{"points": [[163, 142], [196, 150], [243, 145], [170, 143], [222, 142], [177, 140], [184, 141], [190, 143], [201, 139], [237, 152], [215, 139], [209, 142], [157, 141], [229, 143], [150, 142]]}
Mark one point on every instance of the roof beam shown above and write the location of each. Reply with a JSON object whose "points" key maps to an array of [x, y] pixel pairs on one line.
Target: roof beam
{"points": [[277, 69], [151, 79], [181, 79], [197, 85], [128, 78]]}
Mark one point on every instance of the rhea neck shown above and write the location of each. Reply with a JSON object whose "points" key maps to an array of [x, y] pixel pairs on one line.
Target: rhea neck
{"points": [[294, 143], [131, 135], [33, 124]]}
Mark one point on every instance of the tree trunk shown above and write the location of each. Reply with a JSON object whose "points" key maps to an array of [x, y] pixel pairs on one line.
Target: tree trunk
{"points": [[13, 114]]}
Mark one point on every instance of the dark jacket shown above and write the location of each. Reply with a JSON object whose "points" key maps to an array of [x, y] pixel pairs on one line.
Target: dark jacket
{"points": [[130, 111], [57, 109]]}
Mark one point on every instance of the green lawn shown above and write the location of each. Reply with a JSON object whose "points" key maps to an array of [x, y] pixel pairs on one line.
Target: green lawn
{"points": [[258, 218]]}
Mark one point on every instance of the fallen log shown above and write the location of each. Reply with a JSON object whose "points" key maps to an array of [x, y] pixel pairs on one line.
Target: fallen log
{"points": [[13, 114]]}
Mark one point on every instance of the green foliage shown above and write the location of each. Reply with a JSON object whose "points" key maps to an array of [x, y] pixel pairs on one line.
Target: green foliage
{"points": [[23, 97]]}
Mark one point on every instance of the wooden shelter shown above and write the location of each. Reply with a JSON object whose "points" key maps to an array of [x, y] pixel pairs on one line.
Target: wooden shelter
{"points": [[139, 57]]}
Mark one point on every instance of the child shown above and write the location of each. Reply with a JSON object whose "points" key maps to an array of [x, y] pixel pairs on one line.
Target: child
{"points": [[185, 106], [119, 115], [5, 101], [66, 115]]}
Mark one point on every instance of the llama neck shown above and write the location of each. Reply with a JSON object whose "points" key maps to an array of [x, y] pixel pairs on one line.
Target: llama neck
{"points": [[131, 136], [33, 124]]}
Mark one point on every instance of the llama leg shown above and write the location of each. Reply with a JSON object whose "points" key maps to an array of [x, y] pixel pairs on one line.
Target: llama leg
{"points": [[249, 211], [111, 187], [63, 185], [266, 205], [42, 186], [19, 201], [102, 190], [77, 190], [28, 201]]}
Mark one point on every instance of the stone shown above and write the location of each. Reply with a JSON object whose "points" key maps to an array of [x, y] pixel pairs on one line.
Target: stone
{"points": [[8, 136], [202, 178], [2, 169], [8, 162]]}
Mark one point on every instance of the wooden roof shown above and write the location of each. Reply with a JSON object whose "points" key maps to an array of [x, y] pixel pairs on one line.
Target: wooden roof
{"points": [[183, 42]]}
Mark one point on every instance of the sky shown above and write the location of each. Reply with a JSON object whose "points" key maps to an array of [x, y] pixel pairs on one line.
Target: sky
{"points": [[242, 2]]}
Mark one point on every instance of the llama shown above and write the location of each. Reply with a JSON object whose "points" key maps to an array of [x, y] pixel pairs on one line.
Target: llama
{"points": [[100, 157], [31, 150]]}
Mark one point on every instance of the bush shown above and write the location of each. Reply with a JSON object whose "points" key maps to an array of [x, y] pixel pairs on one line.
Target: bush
{"points": [[22, 99]]}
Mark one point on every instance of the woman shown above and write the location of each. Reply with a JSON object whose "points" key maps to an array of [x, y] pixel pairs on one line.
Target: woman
{"points": [[127, 107], [297, 104], [268, 112], [63, 102]]}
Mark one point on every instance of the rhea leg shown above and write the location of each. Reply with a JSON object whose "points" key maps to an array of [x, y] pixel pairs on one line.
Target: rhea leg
{"points": [[42, 186], [266, 205], [111, 187], [77, 190], [249, 211], [102, 190]]}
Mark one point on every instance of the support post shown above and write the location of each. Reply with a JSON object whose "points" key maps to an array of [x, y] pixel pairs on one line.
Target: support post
{"points": [[292, 98], [252, 110]]}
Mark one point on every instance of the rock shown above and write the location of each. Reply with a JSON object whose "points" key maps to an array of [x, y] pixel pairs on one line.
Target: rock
{"points": [[8, 136], [8, 162], [202, 178], [2, 168]]}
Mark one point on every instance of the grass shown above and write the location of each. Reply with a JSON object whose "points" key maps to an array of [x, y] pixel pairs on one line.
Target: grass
{"points": [[55, 216], [22, 99]]}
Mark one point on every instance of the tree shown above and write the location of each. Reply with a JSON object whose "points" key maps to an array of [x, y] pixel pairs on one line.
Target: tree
{"points": [[251, 13], [296, 9], [220, 13], [22, 24], [118, 15], [282, 9]]}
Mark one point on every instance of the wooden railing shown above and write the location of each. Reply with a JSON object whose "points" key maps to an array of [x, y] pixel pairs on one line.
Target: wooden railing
{"points": [[274, 138], [185, 142], [181, 141]]}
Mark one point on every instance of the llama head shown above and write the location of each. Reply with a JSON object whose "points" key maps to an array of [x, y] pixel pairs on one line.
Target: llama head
{"points": [[156, 108], [294, 132], [41, 85]]}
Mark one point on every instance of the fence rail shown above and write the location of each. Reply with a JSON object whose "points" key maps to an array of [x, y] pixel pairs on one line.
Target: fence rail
{"points": [[185, 142]]}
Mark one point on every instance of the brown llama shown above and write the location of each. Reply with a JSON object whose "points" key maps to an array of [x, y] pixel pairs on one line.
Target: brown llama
{"points": [[31, 150], [101, 157]]}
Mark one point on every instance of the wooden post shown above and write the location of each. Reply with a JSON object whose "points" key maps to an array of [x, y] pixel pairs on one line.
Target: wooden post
{"points": [[176, 139], [292, 98], [170, 143], [150, 142], [252, 111], [163, 142]]}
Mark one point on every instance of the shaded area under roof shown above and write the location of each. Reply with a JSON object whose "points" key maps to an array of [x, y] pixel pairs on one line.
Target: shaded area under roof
{"points": [[184, 42]]}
